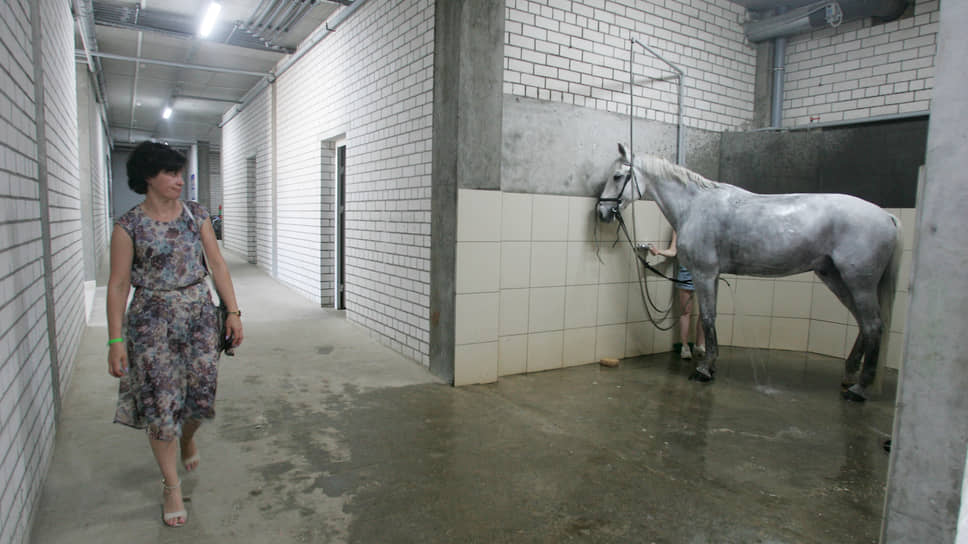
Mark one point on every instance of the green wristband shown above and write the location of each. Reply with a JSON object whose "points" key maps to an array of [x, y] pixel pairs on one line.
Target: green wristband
{"points": [[115, 341]]}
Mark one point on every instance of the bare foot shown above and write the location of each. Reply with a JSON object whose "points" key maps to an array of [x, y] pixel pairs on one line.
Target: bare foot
{"points": [[173, 505], [189, 455]]}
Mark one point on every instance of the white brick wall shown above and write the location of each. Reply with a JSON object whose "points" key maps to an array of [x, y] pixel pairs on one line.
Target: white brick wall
{"points": [[577, 52], [370, 83], [861, 70], [100, 204], [60, 104], [247, 222], [26, 395]]}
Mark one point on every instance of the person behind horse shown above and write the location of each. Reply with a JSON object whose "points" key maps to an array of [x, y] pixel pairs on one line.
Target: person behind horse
{"points": [[166, 358], [685, 289]]}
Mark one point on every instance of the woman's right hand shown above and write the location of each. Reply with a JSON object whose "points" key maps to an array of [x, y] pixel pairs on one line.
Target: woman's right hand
{"points": [[118, 359]]}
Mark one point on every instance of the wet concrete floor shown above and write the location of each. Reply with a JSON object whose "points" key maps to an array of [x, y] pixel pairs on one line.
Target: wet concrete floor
{"points": [[324, 436]]}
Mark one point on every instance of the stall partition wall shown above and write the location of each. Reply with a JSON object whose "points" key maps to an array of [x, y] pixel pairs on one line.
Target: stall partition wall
{"points": [[538, 288]]}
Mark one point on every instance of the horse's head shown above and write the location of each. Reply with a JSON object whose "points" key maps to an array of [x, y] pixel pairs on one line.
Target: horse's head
{"points": [[620, 187]]}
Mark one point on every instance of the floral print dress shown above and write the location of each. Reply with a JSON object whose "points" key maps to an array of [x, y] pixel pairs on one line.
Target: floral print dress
{"points": [[171, 326]]}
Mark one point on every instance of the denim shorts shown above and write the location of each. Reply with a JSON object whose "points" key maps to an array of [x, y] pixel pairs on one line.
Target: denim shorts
{"points": [[684, 276]]}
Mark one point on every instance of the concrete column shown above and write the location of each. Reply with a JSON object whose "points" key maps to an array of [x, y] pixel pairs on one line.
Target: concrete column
{"points": [[931, 423], [468, 103]]}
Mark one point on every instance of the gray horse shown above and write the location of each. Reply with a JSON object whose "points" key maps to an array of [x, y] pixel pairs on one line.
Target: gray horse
{"points": [[851, 244]]}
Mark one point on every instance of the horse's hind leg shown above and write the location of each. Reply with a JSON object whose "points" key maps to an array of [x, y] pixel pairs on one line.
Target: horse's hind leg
{"points": [[852, 364], [832, 279], [871, 329], [706, 290]]}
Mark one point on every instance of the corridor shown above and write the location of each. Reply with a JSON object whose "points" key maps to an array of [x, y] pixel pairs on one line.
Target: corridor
{"points": [[324, 436]]}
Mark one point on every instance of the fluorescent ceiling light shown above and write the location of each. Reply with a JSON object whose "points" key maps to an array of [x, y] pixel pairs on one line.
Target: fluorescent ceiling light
{"points": [[209, 20], [167, 113]]}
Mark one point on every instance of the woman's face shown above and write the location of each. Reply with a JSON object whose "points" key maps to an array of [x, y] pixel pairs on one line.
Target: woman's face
{"points": [[166, 184]]}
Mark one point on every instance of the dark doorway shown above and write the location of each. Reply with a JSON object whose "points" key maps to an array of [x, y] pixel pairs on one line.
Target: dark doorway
{"points": [[340, 227]]}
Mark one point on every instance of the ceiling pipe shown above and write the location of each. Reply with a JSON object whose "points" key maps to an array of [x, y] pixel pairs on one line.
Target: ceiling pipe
{"points": [[326, 29], [205, 98], [134, 87], [258, 17], [268, 22], [278, 22], [181, 65], [294, 18], [820, 14], [259, 14]]}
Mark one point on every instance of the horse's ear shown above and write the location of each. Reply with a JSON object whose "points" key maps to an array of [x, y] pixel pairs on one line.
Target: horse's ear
{"points": [[623, 152]]}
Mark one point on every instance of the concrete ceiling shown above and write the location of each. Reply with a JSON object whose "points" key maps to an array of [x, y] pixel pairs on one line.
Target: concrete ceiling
{"points": [[136, 93]]}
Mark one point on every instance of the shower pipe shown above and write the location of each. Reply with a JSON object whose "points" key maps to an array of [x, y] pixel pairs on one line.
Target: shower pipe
{"points": [[679, 76]]}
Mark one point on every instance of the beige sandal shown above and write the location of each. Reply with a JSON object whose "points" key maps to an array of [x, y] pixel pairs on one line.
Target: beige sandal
{"points": [[197, 458], [170, 516]]}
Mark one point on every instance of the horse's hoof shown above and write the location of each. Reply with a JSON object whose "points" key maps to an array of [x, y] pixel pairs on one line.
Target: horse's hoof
{"points": [[851, 396], [700, 376], [856, 393]]}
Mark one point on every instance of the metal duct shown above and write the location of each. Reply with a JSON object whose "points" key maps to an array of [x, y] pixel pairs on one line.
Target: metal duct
{"points": [[820, 14], [326, 29], [779, 72], [84, 13]]}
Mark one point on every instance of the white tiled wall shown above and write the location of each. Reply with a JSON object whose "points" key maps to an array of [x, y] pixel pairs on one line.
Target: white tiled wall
{"points": [[26, 387], [862, 69], [577, 52], [533, 295]]}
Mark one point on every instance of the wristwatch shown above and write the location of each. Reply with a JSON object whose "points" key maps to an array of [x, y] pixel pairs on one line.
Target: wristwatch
{"points": [[237, 312]]}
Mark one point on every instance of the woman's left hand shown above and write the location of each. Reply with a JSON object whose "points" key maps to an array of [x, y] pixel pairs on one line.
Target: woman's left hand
{"points": [[233, 327]]}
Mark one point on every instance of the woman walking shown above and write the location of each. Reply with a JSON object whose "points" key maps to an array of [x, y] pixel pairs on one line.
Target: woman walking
{"points": [[165, 347]]}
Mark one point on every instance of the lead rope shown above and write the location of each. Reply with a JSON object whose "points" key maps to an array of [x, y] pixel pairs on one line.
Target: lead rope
{"points": [[656, 315]]}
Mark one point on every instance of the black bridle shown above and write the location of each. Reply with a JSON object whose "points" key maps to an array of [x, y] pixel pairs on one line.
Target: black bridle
{"points": [[616, 211]]}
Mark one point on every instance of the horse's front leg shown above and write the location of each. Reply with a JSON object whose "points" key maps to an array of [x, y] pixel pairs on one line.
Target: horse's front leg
{"points": [[706, 290]]}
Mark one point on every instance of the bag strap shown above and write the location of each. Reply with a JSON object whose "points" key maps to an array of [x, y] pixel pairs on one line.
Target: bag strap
{"points": [[191, 216], [211, 278]]}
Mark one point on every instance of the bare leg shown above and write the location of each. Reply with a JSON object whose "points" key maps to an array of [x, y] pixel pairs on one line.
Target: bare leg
{"points": [[685, 315], [164, 451], [189, 450]]}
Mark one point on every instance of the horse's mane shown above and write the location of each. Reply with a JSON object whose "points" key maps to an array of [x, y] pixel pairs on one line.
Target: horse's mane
{"points": [[659, 167]]}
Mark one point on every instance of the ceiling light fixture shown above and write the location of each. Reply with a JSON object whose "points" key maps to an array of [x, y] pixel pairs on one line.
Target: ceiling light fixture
{"points": [[167, 113], [209, 22]]}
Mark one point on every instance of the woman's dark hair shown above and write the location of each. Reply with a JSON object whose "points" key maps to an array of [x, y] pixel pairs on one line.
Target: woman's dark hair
{"points": [[147, 160]]}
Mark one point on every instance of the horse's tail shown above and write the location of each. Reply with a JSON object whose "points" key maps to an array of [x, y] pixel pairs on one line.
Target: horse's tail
{"points": [[887, 286]]}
